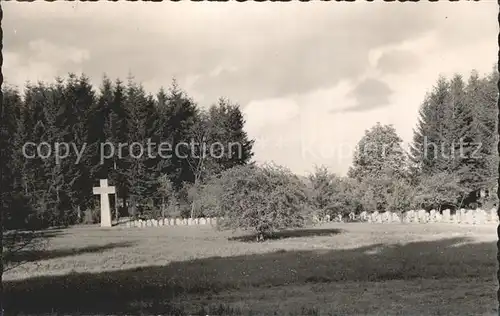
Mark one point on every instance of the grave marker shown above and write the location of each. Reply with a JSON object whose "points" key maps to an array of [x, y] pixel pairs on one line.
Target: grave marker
{"points": [[104, 191]]}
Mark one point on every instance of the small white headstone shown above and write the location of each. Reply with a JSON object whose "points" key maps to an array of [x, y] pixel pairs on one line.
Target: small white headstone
{"points": [[469, 215], [178, 221], [410, 216], [395, 218], [352, 216], [480, 216], [421, 216], [406, 217], [446, 216], [438, 218], [463, 215], [493, 216], [432, 216], [203, 221], [386, 216], [363, 216]]}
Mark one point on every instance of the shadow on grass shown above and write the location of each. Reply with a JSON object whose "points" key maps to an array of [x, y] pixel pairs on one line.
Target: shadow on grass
{"points": [[21, 242], [14, 237], [296, 233], [151, 290], [37, 254]]}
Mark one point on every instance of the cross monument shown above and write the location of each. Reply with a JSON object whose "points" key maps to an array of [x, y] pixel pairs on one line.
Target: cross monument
{"points": [[103, 190]]}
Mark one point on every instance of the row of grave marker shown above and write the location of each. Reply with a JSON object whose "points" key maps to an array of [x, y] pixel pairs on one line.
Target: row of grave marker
{"points": [[172, 222], [461, 216]]}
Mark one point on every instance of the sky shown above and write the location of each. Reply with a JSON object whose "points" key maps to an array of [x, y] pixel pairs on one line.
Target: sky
{"points": [[310, 77]]}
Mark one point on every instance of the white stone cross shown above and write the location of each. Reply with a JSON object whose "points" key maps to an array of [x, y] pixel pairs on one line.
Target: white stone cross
{"points": [[104, 191]]}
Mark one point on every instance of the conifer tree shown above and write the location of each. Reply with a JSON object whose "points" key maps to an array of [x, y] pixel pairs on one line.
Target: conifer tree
{"points": [[178, 115], [78, 103], [119, 132], [140, 173], [12, 193], [227, 128], [100, 131]]}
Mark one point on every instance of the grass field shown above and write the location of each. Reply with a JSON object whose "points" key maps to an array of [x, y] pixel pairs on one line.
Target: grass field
{"points": [[336, 269]]}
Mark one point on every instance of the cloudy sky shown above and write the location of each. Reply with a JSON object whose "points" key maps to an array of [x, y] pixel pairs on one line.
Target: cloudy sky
{"points": [[310, 77]]}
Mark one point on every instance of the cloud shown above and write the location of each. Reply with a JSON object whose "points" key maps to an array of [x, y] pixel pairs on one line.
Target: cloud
{"points": [[397, 62], [43, 61], [43, 50], [305, 48], [288, 66], [369, 94], [269, 113]]}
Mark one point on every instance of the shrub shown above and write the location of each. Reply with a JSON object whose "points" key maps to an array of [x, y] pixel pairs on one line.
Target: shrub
{"points": [[92, 215], [166, 193], [264, 199], [148, 209], [346, 199], [489, 202], [332, 195], [438, 190], [366, 196], [183, 200], [206, 200], [400, 196], [321, 191]]}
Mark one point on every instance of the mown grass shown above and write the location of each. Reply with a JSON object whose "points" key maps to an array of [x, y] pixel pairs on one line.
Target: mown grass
{"points": [[349, 269]]}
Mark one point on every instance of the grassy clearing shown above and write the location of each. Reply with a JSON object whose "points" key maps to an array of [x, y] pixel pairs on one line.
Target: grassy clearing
{"points": [[336, 269]]}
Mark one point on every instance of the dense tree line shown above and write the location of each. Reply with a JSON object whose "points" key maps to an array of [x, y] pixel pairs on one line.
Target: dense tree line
{"points": [[458, 121], [451, 163], [45, 192]]}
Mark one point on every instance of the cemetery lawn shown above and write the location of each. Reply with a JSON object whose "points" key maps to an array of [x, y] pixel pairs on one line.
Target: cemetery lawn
{"points": [[334, 269]]}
